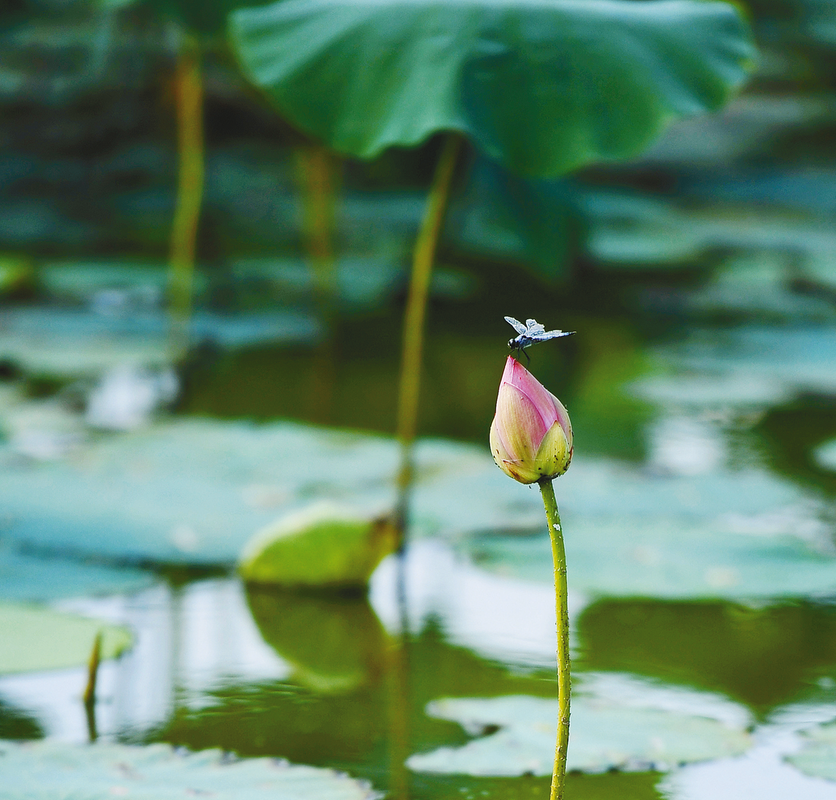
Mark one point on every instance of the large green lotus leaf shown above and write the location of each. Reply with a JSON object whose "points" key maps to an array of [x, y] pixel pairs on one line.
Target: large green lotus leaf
{"points": [[43, 770], [817, 756], [36, 638], [532, 222], [605, 734], [540, 86]]}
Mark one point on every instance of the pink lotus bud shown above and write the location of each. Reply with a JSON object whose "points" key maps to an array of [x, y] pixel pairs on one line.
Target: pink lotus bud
{"points": [[531, 435]]}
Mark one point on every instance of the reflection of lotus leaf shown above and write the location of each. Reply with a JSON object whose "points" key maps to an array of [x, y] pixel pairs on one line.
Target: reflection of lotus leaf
{"points": [[18, 724], [335, 643], [41, 770]]}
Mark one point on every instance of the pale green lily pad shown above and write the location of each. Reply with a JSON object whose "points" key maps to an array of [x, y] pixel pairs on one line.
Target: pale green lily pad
{"points": [[796, 358], [195, 491], [759, 284], [604, 734], [324, 546], [691, 391], [30, 578], [632, 230], [825, 455], [540, 87], [76, 342], [36, 638], [670, 558], [817, 757], [46, 770]]}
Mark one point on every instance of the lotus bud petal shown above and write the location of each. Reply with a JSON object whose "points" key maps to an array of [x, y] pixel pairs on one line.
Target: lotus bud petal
{"points": [[531, 435]]}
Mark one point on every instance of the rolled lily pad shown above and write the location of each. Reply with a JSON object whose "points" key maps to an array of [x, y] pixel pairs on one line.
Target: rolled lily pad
{"points": [[42, 770], [817, 756], [604, 735], [540, 87], [37, 638], [325, 546]]}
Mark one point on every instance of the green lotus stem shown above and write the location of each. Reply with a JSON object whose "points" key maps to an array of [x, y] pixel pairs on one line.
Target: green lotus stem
{"points": [[189, 100], [90, 689], [318, 176], [416, 307], [564, 682]]}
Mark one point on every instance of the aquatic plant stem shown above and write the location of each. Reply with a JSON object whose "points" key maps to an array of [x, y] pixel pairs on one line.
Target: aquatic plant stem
{"points": [[416, 307], [318, 174], [564, 683], [189, 101]]}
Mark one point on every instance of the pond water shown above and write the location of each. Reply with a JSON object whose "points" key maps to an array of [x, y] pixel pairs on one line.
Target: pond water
{"points": [[699, 521]]}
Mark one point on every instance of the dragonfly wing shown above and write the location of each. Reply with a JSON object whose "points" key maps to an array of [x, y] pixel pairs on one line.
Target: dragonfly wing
{"points": [[516, 325], [534, 327]]}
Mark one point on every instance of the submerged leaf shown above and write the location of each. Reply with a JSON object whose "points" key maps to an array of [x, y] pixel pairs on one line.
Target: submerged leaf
{"points": [[541, 87]]}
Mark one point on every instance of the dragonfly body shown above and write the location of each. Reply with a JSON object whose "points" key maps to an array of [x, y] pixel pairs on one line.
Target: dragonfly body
{"points": [[530, 333]]}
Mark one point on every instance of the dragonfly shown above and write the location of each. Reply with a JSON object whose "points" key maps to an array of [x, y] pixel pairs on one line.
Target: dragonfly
{"points": [[530, 333]]}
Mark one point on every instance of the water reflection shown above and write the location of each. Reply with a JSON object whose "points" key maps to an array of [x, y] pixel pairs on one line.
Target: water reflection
{"points": [[761, 656], [334, 644]]}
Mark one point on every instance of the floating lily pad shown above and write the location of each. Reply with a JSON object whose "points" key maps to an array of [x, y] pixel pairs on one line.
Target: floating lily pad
{"points": [[669, 558], [817, 756], [603, 735], [797, 358], [195, 491], [41, 770], [76, 342], [32, 578], [36, 638]]}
